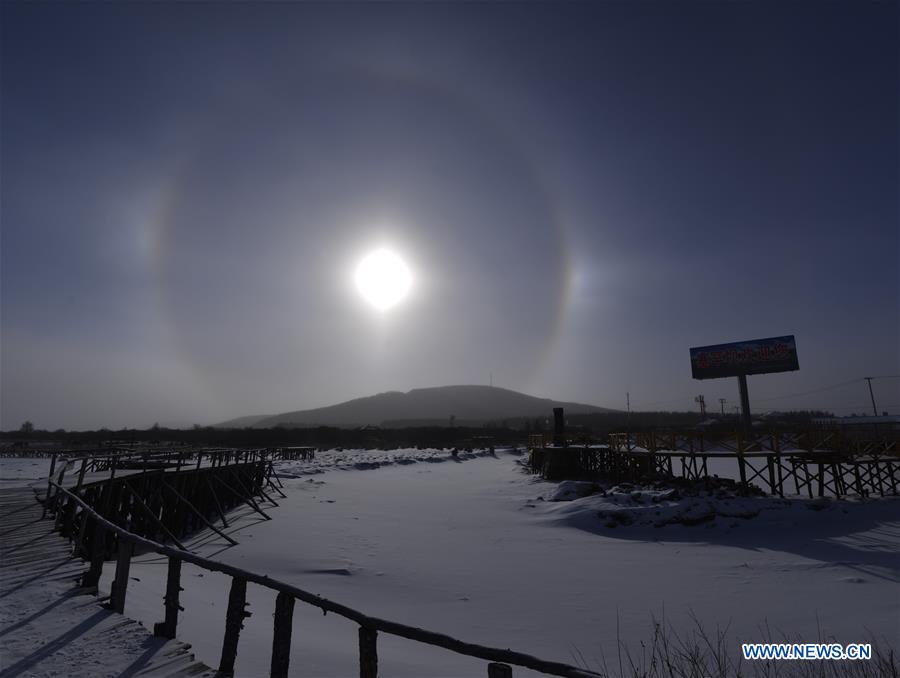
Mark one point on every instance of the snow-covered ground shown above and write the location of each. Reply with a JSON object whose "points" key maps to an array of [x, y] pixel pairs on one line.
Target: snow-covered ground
{"points": [[22, 471], [475, 548]]}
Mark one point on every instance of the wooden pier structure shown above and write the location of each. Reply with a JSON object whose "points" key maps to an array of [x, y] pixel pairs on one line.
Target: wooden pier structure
{"points": [[116, 505], [161, 495], [816, 463]]}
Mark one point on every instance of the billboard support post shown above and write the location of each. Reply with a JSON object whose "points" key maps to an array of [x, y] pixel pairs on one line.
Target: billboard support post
{"points": [[745, 405]]}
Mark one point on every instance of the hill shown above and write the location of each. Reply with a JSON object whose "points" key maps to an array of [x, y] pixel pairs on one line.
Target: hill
{"points": [[421, 406], [243, 422]]}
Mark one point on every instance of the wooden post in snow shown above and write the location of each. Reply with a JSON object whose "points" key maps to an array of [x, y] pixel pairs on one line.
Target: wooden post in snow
{"points": [[91, 578], [49, 485], [166, 629], [120, 584], [368, 653], [281, 637], [234, 622]]}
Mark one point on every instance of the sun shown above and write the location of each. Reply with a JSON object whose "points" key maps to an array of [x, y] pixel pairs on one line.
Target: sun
{"points": [[383, 279]]}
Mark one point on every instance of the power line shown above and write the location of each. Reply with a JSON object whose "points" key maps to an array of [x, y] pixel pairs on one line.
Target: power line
{"points": [[681, 399]]}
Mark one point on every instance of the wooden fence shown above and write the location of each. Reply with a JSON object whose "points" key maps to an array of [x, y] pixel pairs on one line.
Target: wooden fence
{"points": [[500, 660]]}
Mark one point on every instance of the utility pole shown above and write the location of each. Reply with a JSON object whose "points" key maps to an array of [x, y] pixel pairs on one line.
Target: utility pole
{"points": [[492, 380], [722, 402], [700, 399], [628, 420], [872, 396]]}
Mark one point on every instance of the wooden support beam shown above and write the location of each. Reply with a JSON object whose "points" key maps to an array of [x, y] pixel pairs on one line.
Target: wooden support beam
{"points": [[234, 622], [267, 497], [780, 474], [120, 584], [198, 514], [243, 487], [247, 500], [149, 512], [742, 470], [276, 488], [272, 473], [167, 628], [218, 505], [368, 653], [281, 638]]}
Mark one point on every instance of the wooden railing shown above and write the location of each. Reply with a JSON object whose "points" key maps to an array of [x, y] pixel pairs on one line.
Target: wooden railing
{"points": [[818, 461], [369, 627]]}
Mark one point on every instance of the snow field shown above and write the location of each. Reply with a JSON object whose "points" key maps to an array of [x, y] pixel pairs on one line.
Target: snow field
{"points": [[475, 549], [478, 549]]}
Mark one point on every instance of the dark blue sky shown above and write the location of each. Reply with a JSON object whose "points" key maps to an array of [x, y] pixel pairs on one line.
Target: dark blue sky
{"points": [[583, 191]]}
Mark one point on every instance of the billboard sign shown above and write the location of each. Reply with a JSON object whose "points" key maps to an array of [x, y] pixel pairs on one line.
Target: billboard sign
{"points": [[757, 356]]}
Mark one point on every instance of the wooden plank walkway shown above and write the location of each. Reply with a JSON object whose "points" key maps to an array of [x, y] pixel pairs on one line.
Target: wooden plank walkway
{"points": [[49, 626]]}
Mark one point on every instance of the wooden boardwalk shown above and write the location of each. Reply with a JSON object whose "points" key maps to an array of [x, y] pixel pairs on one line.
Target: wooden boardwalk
{"points": [[49, 626]]}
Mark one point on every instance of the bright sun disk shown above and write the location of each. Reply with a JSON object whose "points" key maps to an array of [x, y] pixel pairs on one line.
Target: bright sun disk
{"points": [[383, 279]]}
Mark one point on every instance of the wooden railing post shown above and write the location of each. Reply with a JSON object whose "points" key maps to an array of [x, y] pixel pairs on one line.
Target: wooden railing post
{"points": [[49, 485], [166, 629], [497, 670], [234, 622], [281, 638], [91, 578], [81, 473], [107, 498], [368, 653], [120, 584], [82, 533]]}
